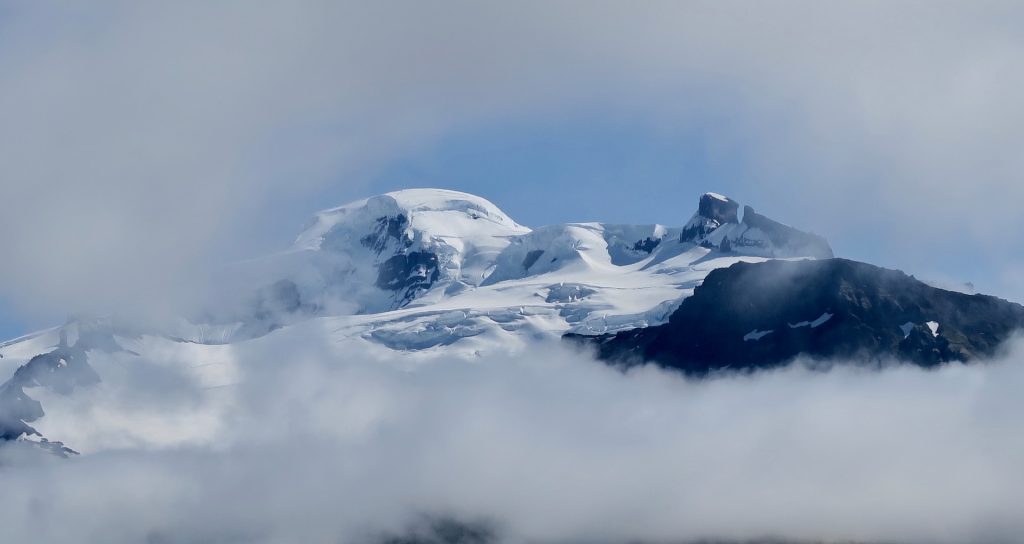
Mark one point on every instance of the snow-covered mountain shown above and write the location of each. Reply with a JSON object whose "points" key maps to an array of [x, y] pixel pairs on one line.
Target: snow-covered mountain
{"points": [[420, 268], [419, 272]]}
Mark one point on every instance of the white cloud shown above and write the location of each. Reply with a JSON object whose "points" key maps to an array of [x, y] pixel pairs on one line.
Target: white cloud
{"points": [[550, 446]]}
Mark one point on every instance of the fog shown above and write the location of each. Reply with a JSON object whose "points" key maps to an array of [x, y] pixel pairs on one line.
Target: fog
{"points": [[544, 445]]}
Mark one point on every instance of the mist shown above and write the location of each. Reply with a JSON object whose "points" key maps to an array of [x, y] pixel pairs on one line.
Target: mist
{"points": [[317, 442]]}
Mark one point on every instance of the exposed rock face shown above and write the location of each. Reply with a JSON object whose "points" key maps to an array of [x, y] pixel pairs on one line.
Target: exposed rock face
{"points": [[380, 253], [531, 258], [408, 270], [719, 208], [646, 245], [716, 226], [764, 315], [713, 211], [408, 273], [386, 229], [61, 370]]}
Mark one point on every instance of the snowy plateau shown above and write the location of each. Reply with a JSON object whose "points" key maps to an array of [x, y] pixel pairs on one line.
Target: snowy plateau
{"points": [[419, 273]]}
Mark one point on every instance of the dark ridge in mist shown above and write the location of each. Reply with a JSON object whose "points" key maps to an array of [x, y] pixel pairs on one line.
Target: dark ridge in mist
{"points": [[762, 315], [445, 530], [61, 370]]}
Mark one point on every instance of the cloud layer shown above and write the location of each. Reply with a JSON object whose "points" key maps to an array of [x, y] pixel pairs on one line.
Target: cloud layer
{"points": [[546, 446]]}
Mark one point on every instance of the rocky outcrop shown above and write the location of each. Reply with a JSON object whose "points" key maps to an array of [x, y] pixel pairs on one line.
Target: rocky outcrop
{"points": [[61, 370], [713, 211], [384, 230], [406, 274], [716, 225], [718, 207], [764, 315]]}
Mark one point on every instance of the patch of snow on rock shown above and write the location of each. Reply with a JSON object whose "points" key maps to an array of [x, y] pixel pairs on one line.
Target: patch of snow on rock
{"points": [[756, 335], [821, 320]]}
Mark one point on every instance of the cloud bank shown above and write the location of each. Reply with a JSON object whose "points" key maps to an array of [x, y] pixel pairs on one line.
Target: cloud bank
{"points": [[545, 446]]}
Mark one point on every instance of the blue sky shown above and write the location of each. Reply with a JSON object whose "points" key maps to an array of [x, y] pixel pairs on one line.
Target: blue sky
{"points": [[589, 168], [12, 324]]}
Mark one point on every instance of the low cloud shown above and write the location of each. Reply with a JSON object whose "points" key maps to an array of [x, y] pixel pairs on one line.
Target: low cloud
{"points": [[548, 445]]}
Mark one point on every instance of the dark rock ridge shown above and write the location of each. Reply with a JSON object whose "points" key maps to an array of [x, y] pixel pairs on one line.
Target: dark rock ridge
{"points": [[721, 209], [713, 211], [763, 315], [407, 271], [646, 245], [443, 531], [62, 370], [386, 229], [531, 258]]}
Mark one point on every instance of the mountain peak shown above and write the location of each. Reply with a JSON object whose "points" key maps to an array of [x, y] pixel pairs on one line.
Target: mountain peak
{"points": [[713, 211], [716, 225], [405, 242], [718, 208], [440, 210], [426, 198]]}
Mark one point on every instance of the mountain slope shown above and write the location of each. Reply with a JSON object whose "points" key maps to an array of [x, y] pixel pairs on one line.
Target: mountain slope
{"points": [[763, 315]]}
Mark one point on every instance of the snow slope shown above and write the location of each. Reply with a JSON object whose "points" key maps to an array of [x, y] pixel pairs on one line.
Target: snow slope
{"points": [[421, 272]]}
